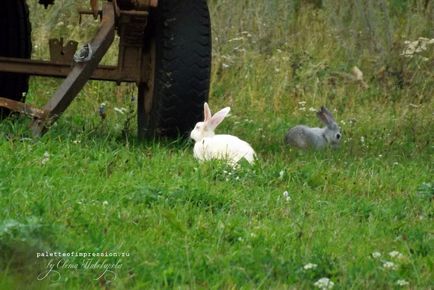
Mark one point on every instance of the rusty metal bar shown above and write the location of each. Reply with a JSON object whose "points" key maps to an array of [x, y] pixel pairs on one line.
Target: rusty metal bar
{"points": [[58, 70], [134, 13], [94, 6], [22, 108], [80, 73]]}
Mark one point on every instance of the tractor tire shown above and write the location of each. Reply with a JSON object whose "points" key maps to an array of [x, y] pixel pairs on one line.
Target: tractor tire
{"points": [[181, 70], [15, 41]]}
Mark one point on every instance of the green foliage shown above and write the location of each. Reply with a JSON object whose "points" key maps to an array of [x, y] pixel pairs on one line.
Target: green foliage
{"points": [[426, 190], [89, 186]]}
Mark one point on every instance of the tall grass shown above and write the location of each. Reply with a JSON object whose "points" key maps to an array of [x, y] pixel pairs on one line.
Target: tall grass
{"points": [[88, 186]]}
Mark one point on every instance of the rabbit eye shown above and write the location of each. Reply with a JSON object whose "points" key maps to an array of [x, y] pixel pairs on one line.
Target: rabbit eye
{"points": [[338, 136]]}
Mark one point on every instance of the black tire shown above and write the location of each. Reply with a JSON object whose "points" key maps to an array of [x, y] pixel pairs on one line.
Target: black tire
{"points": [[15, 41], [181, 32]]}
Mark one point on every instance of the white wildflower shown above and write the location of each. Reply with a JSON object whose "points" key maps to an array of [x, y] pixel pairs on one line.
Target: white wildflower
{"points": [[418, 46], [310, 266], [396, 254], [302, 103], [236, 39], [389, 265], [302, 109], [402, 282], [311, 109], [239, 49], [281, 174], [286, 196], [376, 255], [120, 110], [76, 141], [324, 283], [246, 33], [105, 202], [45, 158], [362, 140]]}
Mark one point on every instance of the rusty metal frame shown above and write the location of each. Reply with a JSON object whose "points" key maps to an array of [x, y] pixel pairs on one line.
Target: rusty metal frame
{"points": [[61, 70], [22, 108], [134, 64], [79, 74]]}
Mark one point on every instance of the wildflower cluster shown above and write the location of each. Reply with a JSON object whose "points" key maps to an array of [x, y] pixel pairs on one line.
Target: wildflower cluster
{"points": [[392, 264], [413, 48]]}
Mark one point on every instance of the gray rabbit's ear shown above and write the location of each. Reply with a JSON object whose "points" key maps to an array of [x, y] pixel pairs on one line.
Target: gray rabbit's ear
{"points": [[329, 115], [325, 116], [322, 115], [206, 112]]}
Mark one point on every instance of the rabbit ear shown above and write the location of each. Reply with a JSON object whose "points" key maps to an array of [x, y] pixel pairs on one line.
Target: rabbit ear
{"points": [[206, 112], [329, 116], [218, 117], [320, 114], [325, 116]]}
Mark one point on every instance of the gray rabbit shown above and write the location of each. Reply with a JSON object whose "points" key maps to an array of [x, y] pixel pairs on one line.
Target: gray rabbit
{"points": [[305, 137]]}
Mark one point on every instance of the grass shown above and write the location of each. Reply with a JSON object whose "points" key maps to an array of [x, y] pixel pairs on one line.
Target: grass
{"points": [[89, 186]]}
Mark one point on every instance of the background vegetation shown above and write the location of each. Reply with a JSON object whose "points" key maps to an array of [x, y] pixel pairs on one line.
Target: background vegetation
{"points": [[89, 186]]}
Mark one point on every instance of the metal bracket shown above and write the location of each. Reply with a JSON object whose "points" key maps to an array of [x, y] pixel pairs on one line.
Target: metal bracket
{"points": [[62, 54], [89, 12], [131, 30]]}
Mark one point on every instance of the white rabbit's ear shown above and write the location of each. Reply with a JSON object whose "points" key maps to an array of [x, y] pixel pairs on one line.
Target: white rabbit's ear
{"points": [[206, 112], [217, 118]]}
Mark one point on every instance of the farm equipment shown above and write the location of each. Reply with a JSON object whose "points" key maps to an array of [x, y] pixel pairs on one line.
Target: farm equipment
{"points": [[164, 48]]}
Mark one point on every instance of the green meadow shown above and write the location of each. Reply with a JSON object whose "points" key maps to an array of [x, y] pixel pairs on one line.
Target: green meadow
{"points": [[361, 215]]}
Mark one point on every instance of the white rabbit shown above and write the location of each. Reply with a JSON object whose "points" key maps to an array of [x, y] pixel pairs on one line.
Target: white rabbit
{"points": [[305, 137], [211, 146]]}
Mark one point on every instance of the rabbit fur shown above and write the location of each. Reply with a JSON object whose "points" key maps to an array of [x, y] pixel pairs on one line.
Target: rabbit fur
{"points": [[305, 137], [209, 146]]}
